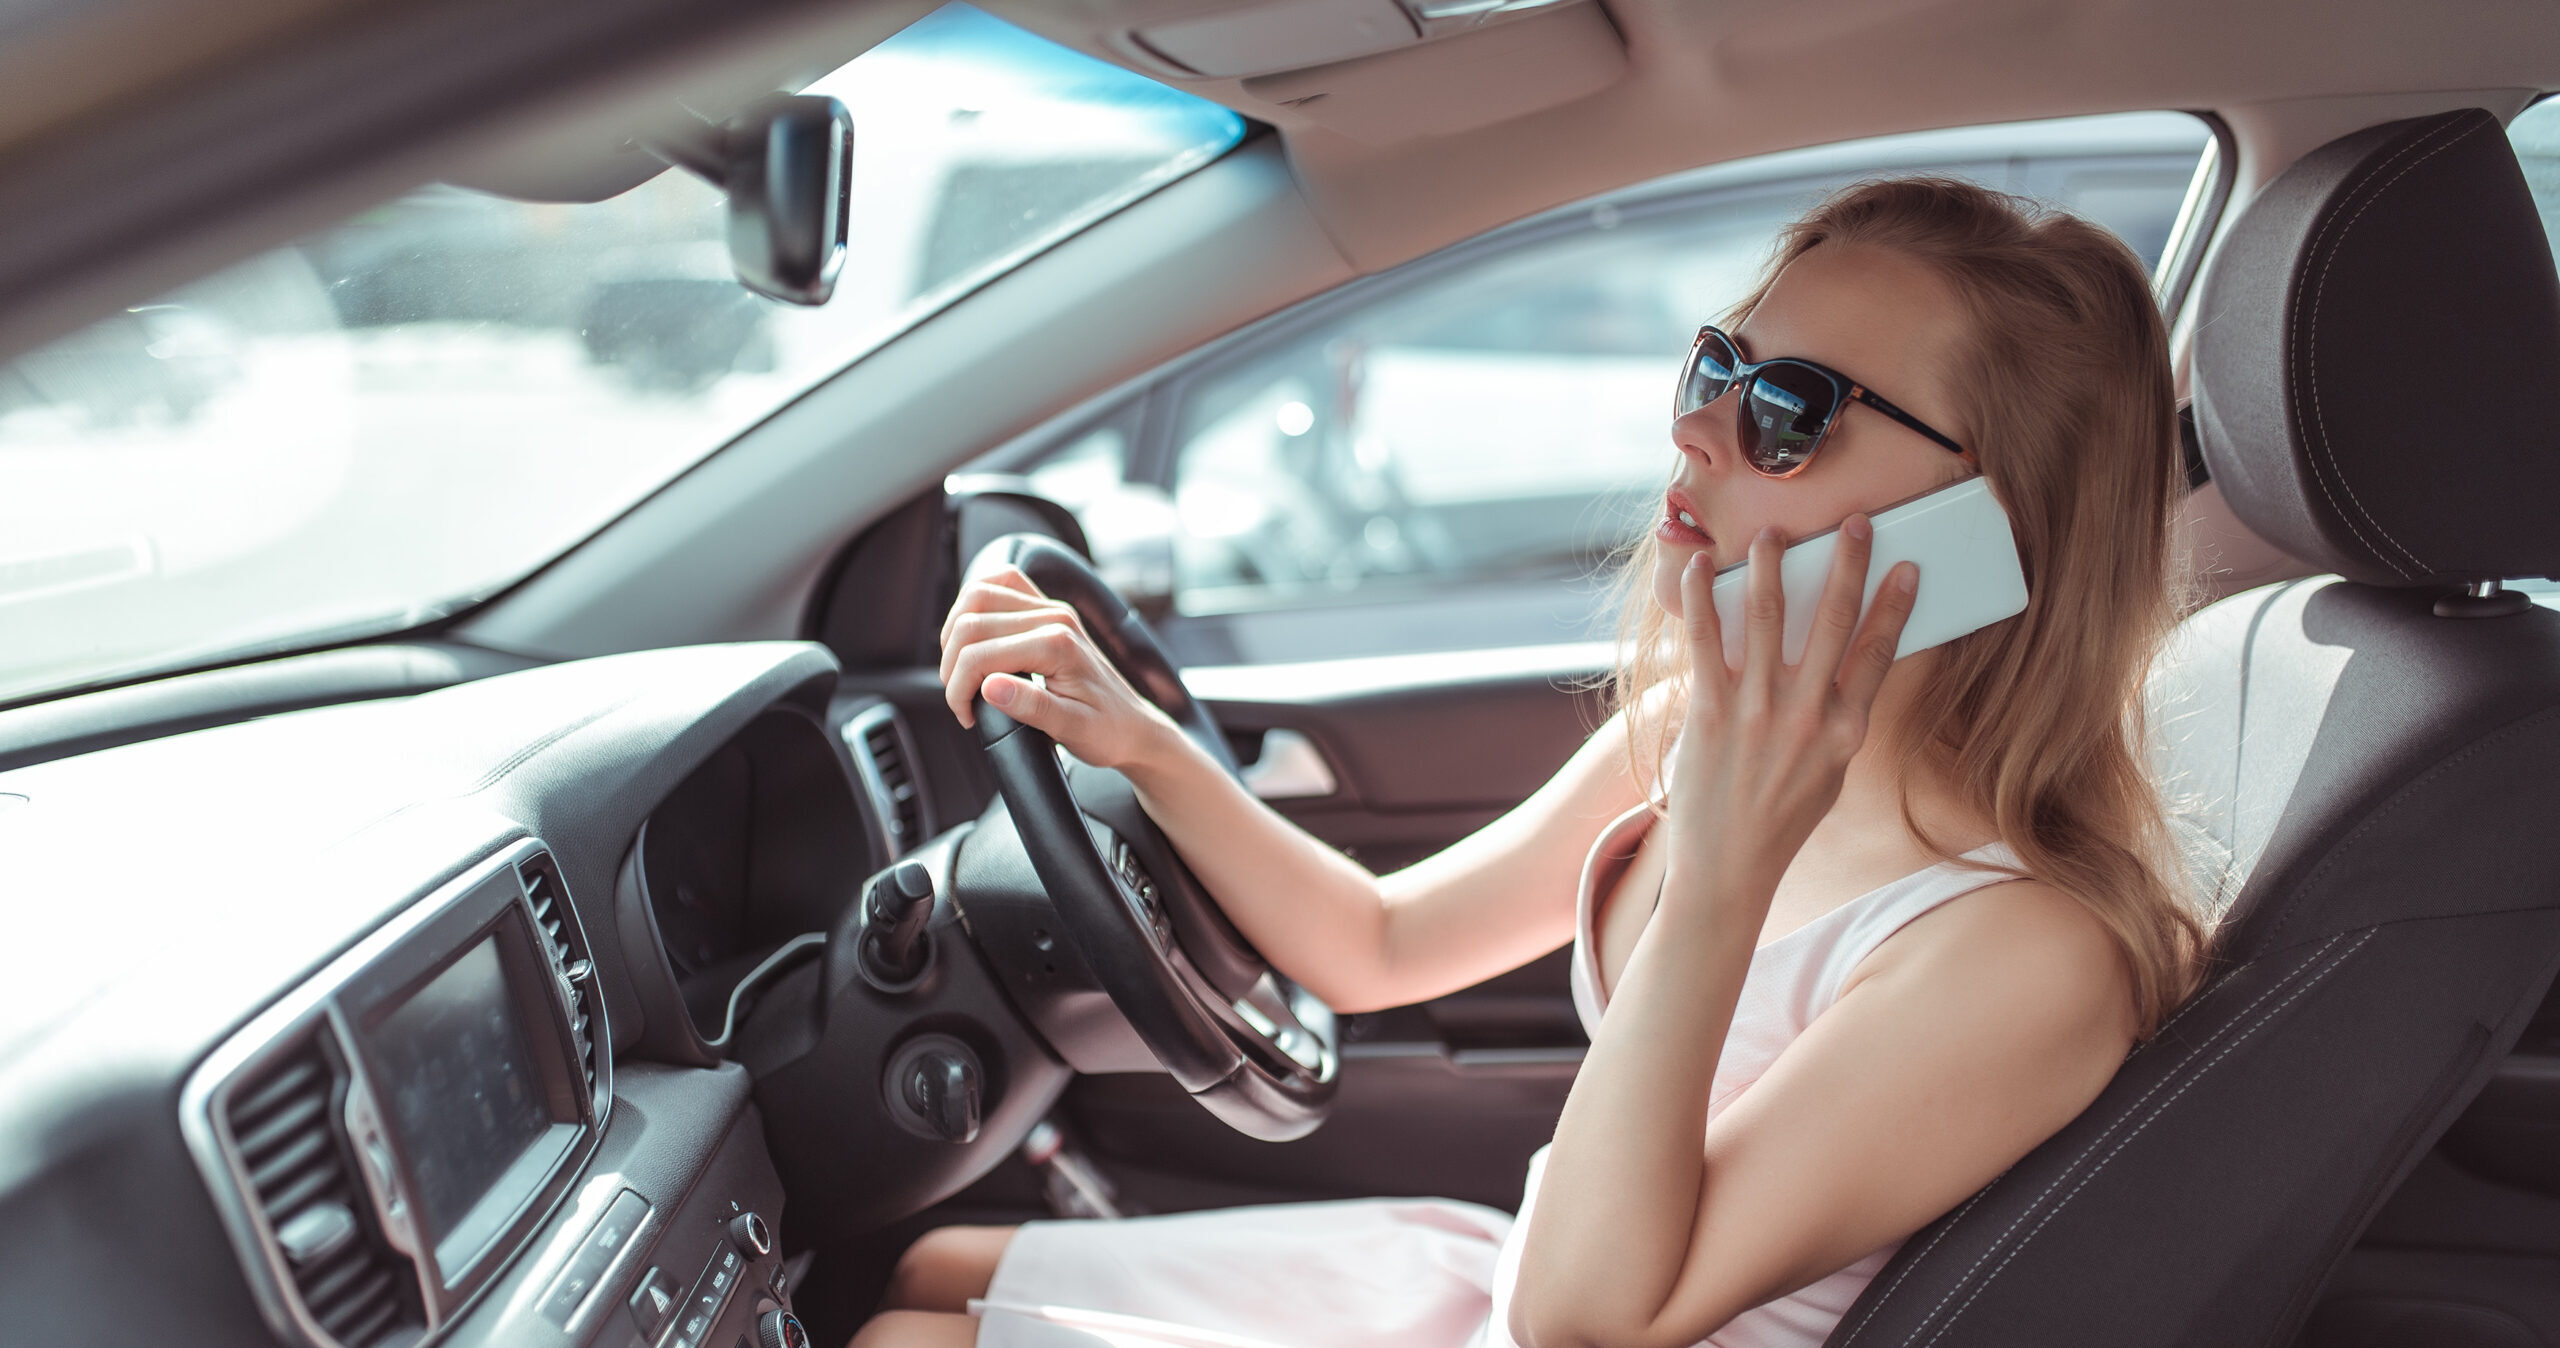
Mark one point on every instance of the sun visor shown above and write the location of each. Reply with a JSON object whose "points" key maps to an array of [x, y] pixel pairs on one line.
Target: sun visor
{"points": [[1254, 39], [1473, 77]]}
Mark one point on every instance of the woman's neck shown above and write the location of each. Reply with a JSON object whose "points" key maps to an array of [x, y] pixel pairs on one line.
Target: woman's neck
{"points": [[1869, 813]]}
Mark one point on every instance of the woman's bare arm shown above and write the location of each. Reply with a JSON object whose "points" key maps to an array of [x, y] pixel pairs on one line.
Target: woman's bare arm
{"points": [[1965, 1040], [1493, 901]]}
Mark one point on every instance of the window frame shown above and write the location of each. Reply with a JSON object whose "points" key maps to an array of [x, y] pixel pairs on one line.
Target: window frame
{"points": [[2199, 221]]}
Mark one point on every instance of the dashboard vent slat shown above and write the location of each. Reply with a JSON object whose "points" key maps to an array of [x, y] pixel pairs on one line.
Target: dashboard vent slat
{"points": [[285, 1127], [359, 1290], [542, 889], [903, 812]]}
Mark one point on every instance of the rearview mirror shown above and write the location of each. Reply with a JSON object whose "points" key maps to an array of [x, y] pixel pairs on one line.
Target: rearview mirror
{"points": [[786, 165]]}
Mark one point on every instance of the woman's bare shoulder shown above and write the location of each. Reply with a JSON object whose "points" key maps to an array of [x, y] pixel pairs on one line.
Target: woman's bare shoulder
{"points": [[2023, 943]]}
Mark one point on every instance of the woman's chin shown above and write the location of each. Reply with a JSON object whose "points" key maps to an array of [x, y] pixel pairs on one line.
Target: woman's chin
{"points": [[1666, 581]]}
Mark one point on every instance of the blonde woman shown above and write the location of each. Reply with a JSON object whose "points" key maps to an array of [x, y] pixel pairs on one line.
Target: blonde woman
{"points": [[1852, 935]]}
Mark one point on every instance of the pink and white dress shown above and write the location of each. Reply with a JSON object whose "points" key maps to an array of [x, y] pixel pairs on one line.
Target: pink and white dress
{"points": [[1432, 1273]]}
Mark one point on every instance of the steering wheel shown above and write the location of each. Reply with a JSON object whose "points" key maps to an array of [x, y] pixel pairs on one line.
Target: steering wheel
{"points": [[1255, 1049]]}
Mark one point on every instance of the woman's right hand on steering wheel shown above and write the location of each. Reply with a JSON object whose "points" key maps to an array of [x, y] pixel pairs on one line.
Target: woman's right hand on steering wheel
{"points": [[1002, 628]]}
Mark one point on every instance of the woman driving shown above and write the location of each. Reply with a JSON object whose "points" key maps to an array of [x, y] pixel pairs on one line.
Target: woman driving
{"points": [[1852, 934]]}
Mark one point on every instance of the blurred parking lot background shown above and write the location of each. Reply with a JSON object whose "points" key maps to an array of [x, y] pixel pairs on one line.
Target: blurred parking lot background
{"points": [[401, 414]]}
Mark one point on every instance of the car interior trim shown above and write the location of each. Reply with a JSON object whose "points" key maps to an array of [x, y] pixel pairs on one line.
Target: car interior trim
{"points": [[2199, 217], [81, 723], [789, 953], [1290, 767], [1365, 675]]}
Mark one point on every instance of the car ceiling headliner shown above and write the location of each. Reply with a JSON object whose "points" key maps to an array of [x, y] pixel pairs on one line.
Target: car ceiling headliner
{"points": [[1712, 80], [1701, 82]]}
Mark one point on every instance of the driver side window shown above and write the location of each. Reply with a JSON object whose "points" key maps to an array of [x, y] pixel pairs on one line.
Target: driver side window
{"points": [[1499, 425], [1447, 456]]}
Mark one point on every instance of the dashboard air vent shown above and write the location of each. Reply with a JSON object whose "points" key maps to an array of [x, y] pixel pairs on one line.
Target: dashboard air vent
{"points": [[884, 743], [566, 943], [358, 1289]]}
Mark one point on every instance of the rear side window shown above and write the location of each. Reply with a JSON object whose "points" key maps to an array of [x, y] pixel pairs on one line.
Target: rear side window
{"points": [[2536, 136]]}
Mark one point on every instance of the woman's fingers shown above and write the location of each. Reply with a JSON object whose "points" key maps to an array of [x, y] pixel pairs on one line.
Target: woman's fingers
{"points": [[1835, 615], [965, 629], [1048, 650], [1870, 655], [1035, 706], [999, 590], [1704, 628], [1764, 611]]}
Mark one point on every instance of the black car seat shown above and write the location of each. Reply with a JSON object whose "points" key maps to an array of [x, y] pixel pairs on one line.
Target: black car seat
{"points": [[2375, 755]]}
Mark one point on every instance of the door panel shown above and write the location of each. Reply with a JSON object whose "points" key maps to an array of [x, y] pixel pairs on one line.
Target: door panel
{"points": [[1411, 1120]]}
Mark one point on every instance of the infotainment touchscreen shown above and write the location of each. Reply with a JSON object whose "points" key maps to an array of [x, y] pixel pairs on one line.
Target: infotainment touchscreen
{"points": [[465, 1094]]}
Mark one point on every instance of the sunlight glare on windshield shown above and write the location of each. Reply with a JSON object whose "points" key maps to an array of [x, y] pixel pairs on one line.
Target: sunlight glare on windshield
{"points": [[395, 418]]}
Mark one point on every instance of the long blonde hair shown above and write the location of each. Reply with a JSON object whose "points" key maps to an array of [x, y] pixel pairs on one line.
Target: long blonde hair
{"points": [[2036, 723]]}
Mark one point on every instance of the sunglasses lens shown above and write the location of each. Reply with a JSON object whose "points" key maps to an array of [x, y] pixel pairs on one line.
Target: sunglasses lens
{"points": [[1709, 374], [1783, 415]]}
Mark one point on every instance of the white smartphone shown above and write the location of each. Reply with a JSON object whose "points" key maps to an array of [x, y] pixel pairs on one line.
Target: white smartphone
{"points": [[1957, 535]]}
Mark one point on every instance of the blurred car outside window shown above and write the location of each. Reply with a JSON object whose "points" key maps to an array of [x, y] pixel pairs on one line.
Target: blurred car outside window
{"points": [[2535, 134], [1449, 459], [399, 416]]}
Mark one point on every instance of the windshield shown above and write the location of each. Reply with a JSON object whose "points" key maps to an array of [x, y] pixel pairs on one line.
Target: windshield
{"points": [[400, 416]]}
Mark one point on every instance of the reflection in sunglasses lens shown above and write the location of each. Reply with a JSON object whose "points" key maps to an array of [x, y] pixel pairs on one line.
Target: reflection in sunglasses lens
{"points": [[1784, 411], [1709, 374]]}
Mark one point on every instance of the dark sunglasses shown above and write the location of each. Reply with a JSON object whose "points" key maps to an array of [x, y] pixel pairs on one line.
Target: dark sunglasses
{"points": [[1787, 404]]}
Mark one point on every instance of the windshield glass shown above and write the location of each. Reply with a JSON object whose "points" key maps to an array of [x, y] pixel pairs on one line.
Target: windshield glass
{"points": [[402, 415]]}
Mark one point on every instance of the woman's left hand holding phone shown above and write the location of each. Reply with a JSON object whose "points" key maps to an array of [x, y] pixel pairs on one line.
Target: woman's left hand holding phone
{"points": [[1764, 748]]}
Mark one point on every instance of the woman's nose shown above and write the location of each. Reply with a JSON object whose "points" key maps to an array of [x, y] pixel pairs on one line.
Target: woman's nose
{"points": [[1706, 435]]}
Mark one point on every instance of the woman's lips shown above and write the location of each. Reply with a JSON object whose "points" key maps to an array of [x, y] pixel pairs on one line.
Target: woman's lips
{"points": [[1679, 525]]}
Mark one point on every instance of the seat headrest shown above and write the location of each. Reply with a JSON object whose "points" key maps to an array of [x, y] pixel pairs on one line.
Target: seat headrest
{"points": [[2377, 363]]}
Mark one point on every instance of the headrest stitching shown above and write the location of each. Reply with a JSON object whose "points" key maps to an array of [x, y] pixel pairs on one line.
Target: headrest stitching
{"points": [[2311, 363]]}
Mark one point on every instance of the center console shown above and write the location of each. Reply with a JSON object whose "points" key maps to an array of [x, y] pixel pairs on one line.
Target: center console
{"points": [[425, 1143]]}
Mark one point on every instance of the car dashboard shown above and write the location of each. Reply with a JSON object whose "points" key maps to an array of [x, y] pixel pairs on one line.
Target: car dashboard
{"points": [[403, 1021]]}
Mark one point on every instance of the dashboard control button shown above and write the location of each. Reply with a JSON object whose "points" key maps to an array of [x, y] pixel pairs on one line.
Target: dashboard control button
{"points": [[620, 1221], [595, 1258], [780, 1329], [750, 1234], [651, 1304]]}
